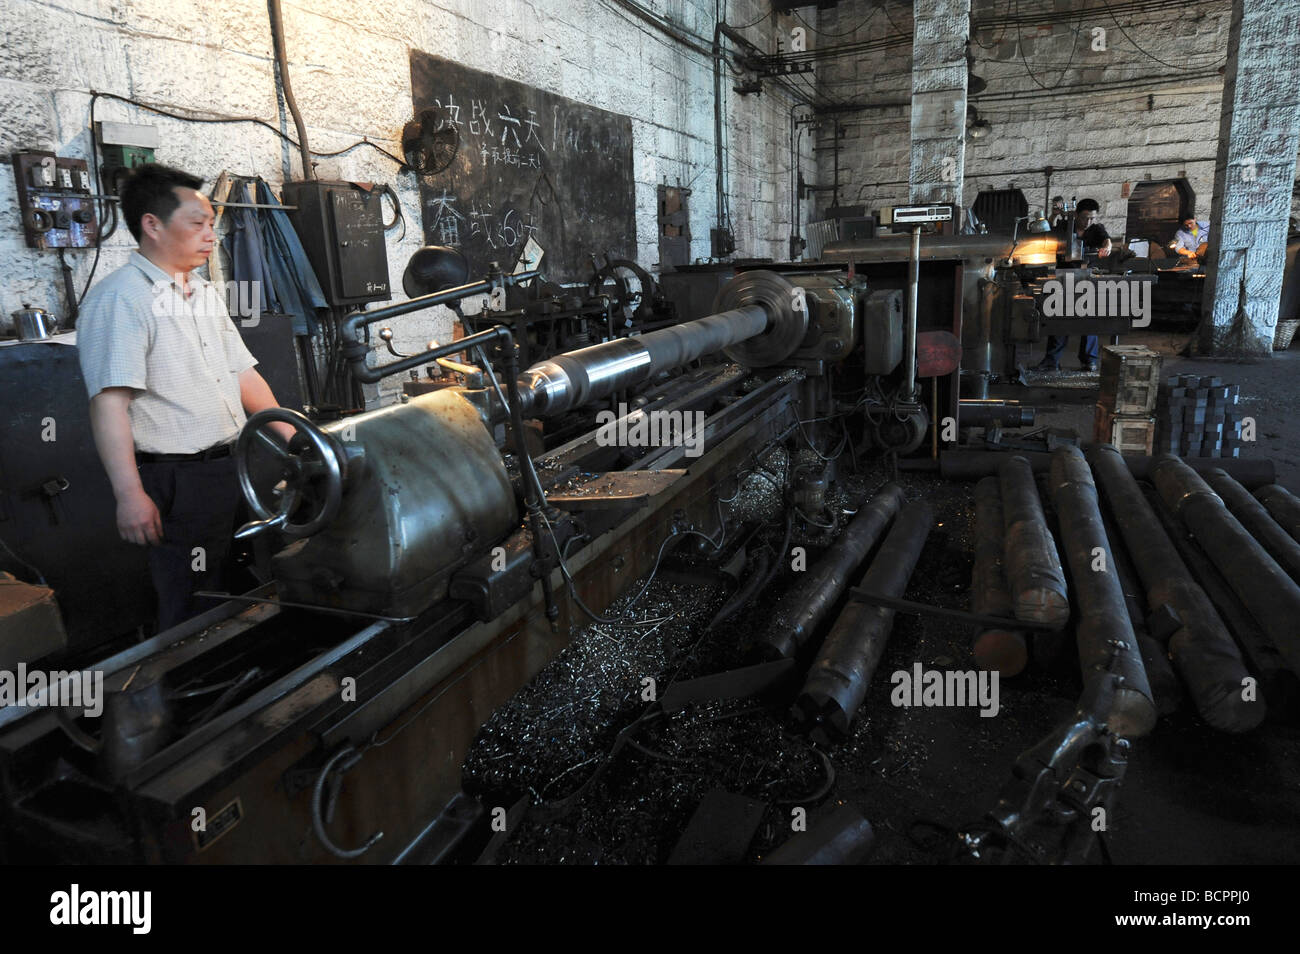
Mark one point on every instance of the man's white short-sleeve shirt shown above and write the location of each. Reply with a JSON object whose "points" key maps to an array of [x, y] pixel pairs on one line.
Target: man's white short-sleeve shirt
{"points": [[183, 355]]}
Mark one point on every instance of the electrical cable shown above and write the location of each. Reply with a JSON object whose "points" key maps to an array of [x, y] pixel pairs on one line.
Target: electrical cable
{"points": [[686, 39], [248, 119], [746, 26], [389, 191], [1142, 51], [1020, 47], [865, 20], [318, 824]]}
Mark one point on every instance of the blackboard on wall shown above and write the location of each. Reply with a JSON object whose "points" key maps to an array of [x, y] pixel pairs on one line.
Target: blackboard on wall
{"points": [[530, 164]]}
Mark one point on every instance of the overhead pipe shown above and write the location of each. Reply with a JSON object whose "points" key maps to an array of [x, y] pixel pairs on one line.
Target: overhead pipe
{"points": [[1271, 596], [282, 61], [1203, 651], [1107, 644]]}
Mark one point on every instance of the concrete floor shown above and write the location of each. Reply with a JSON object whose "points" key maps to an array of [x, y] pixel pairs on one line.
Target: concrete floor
{"points": [[1270, 389]]}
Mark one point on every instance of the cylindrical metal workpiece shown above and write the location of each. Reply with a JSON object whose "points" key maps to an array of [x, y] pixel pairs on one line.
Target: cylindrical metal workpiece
{"points": [[801, 610], [575, 378], [842, 838], [1282, 506], [1203, 651], [1270, 595], [1001, 648], [1033, 568], [1250, 513], [1104, 628], [838, 680], [679, 345], [1250, 472], [981, 413]]}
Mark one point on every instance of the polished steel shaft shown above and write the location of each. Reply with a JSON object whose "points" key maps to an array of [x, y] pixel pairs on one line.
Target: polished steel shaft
{"points": [[575, 378]]}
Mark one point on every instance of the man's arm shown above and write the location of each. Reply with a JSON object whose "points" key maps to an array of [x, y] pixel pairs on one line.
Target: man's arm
{"points": [[138, 520], [255, 394]]}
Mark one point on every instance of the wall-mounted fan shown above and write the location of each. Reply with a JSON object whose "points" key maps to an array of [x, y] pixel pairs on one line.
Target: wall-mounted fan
{"points": [[429, 142]]}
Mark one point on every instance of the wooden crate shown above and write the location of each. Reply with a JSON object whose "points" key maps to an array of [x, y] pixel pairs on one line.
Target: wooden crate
{"points": [[1130, 379], [1130, 434]]}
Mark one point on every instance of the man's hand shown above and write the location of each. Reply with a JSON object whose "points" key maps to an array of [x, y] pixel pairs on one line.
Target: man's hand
{"points": [[286, 431], [256, 396], [138, 520]]}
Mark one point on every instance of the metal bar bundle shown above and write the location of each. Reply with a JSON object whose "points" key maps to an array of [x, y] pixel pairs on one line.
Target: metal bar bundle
{"points": [[1202, 649], [801, 611], [838, 680], [1270, 595], [1034, 574], [999, 648], [1104, 627]]}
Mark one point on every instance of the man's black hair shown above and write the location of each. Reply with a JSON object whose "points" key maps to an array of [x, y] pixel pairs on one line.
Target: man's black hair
{"points": [[149, 190], [1088, 205]]}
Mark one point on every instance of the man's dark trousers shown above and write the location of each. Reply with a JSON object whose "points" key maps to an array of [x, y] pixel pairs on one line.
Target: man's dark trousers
{"points": [[1088, 348], [198, 502]]}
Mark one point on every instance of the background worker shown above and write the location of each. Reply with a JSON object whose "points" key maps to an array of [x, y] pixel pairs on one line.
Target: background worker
{"points": [[1095, 241]]}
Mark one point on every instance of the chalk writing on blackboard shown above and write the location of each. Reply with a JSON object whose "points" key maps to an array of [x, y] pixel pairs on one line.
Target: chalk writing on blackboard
{"points": [[531, 165]]}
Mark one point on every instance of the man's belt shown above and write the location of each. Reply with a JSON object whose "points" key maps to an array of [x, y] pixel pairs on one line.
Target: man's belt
{"points": [[212, 453]]}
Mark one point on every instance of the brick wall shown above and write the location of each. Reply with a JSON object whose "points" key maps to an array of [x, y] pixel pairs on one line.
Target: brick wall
{"points": [[348, 62], [1165, 129]]}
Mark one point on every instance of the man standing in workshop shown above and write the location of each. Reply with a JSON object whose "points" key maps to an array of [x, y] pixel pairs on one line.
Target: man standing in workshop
{"points": [[170, 384], [1095, 241]]}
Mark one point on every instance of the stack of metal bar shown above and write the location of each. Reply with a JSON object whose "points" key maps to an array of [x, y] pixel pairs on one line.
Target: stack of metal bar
{"points": [[1197, 416]]}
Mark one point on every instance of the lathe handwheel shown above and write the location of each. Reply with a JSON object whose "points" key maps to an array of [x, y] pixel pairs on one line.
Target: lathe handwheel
{"points": [[317, 478]]}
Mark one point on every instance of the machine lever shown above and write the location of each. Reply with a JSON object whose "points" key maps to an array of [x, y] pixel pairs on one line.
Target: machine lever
{"points": [[254, 527]]}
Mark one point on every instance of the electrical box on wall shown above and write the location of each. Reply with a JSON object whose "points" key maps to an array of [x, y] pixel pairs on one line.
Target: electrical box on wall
{"points": [[125, 147], [341, 227], [55, 199]]}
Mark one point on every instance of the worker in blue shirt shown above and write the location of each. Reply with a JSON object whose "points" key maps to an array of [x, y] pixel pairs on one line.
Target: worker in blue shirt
{"points": [[1191, 238]]}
